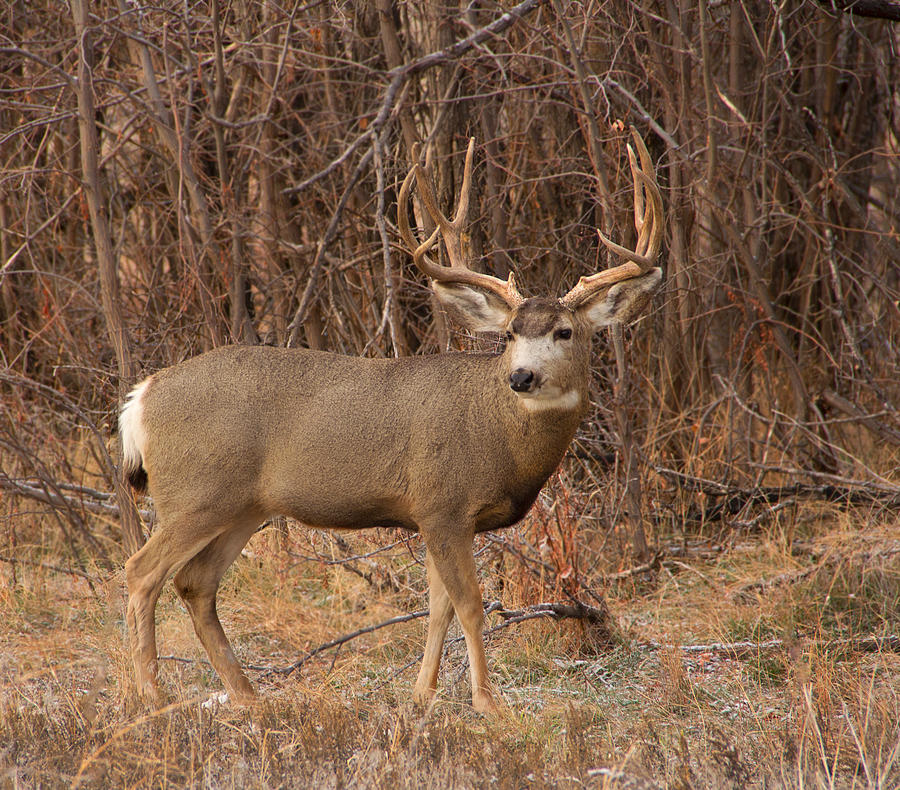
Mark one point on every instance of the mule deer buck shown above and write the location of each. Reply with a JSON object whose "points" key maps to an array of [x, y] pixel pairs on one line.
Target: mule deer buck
{"points": [[447, 445]]}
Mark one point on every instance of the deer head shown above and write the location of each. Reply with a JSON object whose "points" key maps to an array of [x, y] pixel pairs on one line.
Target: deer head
{"points": [[547, 340]]}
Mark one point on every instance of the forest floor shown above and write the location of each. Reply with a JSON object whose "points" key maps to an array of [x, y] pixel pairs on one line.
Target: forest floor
{"points": [[767, 660]]}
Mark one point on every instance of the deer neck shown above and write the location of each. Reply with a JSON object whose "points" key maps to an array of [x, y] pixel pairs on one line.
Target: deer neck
{"points": [[540, 432]]}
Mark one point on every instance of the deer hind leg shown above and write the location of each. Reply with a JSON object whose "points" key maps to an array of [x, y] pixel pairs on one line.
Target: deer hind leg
{"points": [[145, 573], [196, 584], [440, 613], [455, 564]]}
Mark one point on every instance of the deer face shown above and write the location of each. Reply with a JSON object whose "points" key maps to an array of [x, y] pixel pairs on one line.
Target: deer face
{"points": [[546, 352], [547, 343]]}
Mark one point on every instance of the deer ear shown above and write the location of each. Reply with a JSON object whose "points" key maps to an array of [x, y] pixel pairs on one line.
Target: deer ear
{"points": [[472, 308], [623, 301]]}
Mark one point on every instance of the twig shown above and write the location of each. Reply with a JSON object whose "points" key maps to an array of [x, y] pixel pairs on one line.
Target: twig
{"points": [[314, 270], [401, 74], [637, 570], [399, 78], [334, 165], [537, 567], [692, 482], [764, 585], [878, 9], [885, 432], [593, 137], [378, 576], [346, 559]]}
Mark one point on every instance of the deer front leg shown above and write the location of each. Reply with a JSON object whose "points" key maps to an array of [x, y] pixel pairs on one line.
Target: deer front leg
{"points": [[440, 613], [452, 558]]}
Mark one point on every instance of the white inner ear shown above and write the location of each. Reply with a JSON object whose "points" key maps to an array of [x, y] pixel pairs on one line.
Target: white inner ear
{"points": [[618, 303], [476, 310]]}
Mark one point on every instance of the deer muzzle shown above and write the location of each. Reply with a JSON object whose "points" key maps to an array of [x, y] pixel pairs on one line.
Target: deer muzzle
{"points": [[522, 380]]}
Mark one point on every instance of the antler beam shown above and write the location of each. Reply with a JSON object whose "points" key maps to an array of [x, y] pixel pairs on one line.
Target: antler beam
{"points": [[452, 234], [649, 227]]}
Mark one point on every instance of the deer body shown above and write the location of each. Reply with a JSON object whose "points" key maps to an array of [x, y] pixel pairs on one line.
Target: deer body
{"points": [[446, 445], [346, 442]]}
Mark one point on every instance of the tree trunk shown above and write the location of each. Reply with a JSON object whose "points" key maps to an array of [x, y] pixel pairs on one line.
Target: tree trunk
{"points": [[106, 258]]}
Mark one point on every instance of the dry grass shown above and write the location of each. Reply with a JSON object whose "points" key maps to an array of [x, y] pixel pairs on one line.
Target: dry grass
{"points": [[811, 712]]}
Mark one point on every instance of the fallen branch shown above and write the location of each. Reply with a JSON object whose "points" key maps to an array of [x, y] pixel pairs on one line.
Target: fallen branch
{"points": [[866, 644], [55, 568], [864, 558], [556, 611], [737, 650], [90, 500], [735, 500]]}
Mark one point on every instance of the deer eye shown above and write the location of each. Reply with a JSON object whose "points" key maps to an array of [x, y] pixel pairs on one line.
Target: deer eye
{"points": [[509, 337], [562, 334]]}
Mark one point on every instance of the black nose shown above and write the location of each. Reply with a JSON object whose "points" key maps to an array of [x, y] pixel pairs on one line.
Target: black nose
{"points": [[521, 380]]}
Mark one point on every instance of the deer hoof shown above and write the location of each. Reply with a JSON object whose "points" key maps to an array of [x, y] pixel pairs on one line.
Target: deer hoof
{"points": [[487, 702], [423, 696]]}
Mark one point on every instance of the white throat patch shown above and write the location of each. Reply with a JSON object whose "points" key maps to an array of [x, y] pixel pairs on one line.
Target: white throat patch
{"points": [[566, 401]]}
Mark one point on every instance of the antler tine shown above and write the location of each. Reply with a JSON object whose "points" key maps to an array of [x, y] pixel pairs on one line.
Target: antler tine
{"points": [[426, 190], [451, 232], [649, 243], [639, 224], [649, 231], [649, 228], [418, 250]]}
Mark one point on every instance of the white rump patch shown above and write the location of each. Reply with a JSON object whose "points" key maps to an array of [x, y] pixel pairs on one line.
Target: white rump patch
{"points": [[567, 401], [132, 433]]}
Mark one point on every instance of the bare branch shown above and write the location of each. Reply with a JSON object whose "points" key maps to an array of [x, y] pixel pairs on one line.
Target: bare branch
{"points": [[877, 9]]}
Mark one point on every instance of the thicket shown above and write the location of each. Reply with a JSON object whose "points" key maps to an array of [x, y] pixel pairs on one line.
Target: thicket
{"points": [[176, 176]]}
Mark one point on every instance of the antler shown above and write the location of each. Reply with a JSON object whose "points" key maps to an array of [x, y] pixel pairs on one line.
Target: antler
{"points": [[649, 228], [452, 233]]}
